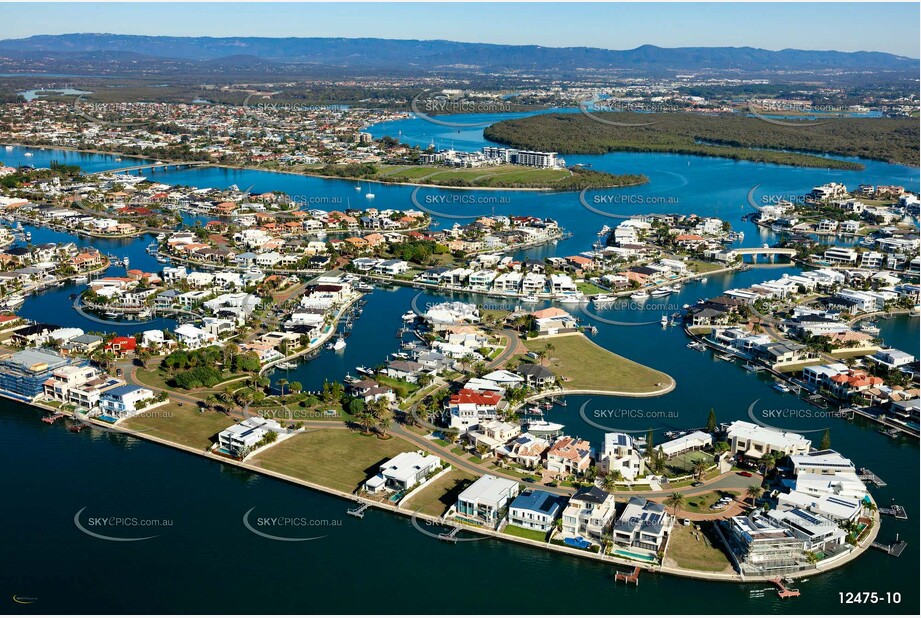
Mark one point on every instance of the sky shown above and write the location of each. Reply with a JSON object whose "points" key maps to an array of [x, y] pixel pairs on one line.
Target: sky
{"points": [[869, 26]]}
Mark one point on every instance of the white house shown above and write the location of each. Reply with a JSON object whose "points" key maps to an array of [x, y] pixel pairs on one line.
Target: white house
{"points": [[403, 472], [485, 501], [122, 401], [239, 439], [619, 455], [193, 337], [534, 510]]}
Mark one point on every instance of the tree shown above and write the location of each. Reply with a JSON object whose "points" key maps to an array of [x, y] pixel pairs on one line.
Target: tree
{"points": [[768, 462], [699, 467], [282, 383], [711, 421], [825, 444], [754, 492], [365, 420], [609, 480], [676, 501], [295, 387]]}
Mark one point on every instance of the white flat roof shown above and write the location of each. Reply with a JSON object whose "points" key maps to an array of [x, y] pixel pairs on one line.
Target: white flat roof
{"points": [[488, 488], [764, 435]]}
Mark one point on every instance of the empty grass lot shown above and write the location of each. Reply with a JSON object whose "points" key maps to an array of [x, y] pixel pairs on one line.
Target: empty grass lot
{"points": [[183, 424], [585, 365], [335, 458], [435, 499], [690, 549]]}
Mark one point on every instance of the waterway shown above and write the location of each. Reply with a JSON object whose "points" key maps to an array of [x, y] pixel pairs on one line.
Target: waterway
{"points": [[51, 474]]}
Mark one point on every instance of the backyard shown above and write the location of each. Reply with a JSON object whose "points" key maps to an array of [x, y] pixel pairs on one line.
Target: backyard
{"points": [[435, 499], [185, 424]]}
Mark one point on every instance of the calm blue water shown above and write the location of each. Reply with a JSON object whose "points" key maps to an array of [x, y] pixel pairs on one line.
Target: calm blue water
{"points": [[62, 567]]}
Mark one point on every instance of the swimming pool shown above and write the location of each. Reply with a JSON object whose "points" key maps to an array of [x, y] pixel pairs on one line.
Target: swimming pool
{"points": [[635, 555]]}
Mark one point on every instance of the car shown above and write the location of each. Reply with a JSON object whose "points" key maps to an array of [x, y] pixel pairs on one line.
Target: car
{"points": [[745, 473], [685, 522], [696, 484], [529, 480], [551, 484]]}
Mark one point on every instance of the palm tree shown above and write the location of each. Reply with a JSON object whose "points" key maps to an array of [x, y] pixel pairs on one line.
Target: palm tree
{"points": [[609, 480], [366, 420], [699, 467], [754, 492], [676, 501], [282, 383], [768, 462]]}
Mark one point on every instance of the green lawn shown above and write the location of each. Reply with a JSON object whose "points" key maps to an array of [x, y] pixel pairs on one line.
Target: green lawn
{"points": [[534, 535], [335, 458], [435, 499], [184, 424], [584, 365], [701, 504], [687, 551]]}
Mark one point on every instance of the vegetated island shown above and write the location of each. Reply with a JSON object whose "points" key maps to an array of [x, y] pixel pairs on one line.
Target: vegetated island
{"points": [[491, 177], [739, 137]]}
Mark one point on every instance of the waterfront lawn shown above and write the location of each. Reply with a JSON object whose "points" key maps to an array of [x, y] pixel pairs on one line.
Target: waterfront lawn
{"points": [[525, 533], [700, 550], [402, 388], [584, 365], [588, 288], [185, 424], [436, 498], [335, 458]]}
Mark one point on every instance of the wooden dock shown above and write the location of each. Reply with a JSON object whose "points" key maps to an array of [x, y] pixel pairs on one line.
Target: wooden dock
{"points": [[450, 537], [893, 549], [628, 578], [51, 419], [77, 428], [782, 591]]}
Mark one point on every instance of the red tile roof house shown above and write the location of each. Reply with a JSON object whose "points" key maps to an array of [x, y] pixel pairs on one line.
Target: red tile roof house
{"points": [[468, 407], [121, 345], [569, 456]]}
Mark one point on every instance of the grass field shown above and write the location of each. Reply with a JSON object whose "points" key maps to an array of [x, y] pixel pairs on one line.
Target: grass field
{"points": [[183, 424], [690, 549], [437, 497], [701, 504], [534, 535], [335, 458], [584, 365]]}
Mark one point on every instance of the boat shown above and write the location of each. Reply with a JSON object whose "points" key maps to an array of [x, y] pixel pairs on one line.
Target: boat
{"points": [[783, 388], [726, 357], [287, 365], [364, 287], [81, 279], [14, 300], [358, 187], [869, 328], [696, 345], [111, 314], [364, 370], [603, 299], [28, 154], [751, 367], [340, 344], [641, 295], [28, 235], [118, 159], [410, 316], [544, 428], [703, 280], [663, 291], [536, 411], [530, 298], [571, 299], [9, 148]]}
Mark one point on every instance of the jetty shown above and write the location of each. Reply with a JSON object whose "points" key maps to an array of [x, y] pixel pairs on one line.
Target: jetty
{"points": [[866, 475], [628, 578], [359, 511], [782, 591], [894, 510], [894, 549], [450, 537], [51, 419]]}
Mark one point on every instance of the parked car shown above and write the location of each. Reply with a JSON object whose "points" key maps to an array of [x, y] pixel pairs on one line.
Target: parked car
{"points": [[550, 484], [696, 484], [745, 473], [685, 522], [529, 480]]}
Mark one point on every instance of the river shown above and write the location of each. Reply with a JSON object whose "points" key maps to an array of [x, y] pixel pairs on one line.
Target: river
{"points": [[380, 562]]}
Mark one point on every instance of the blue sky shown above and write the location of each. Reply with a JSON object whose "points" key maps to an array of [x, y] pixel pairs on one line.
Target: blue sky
{"points": [[889, 27]]}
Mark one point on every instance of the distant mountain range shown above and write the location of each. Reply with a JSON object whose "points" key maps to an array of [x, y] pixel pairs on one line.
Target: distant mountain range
{"points": [[428, 56]]}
